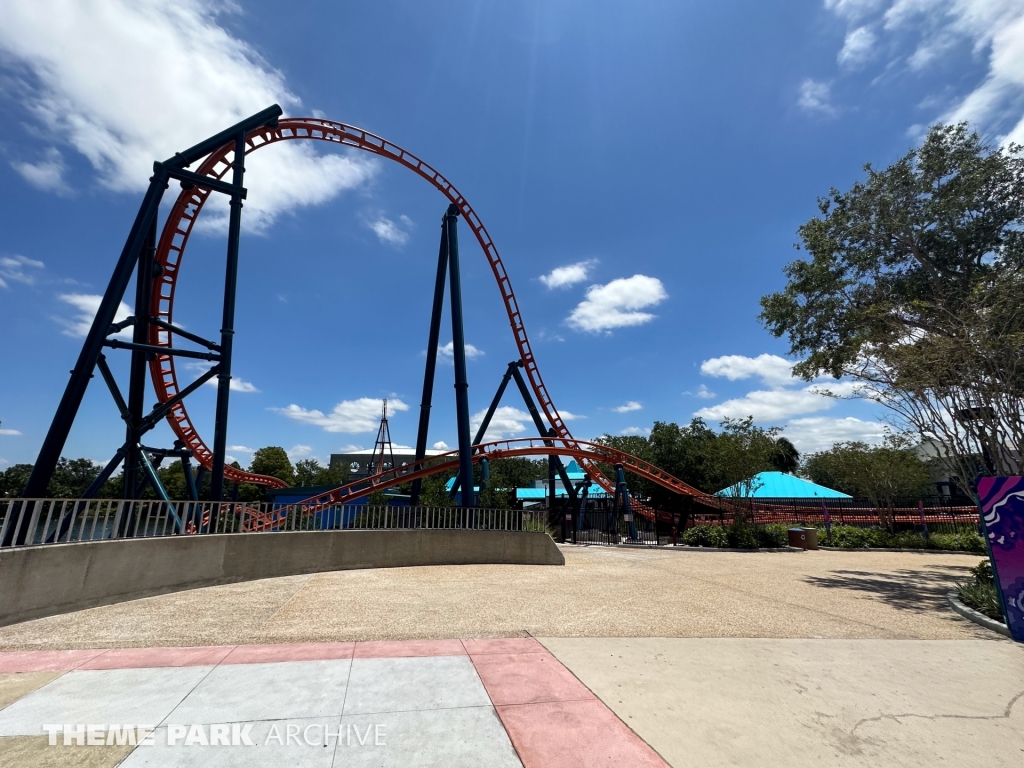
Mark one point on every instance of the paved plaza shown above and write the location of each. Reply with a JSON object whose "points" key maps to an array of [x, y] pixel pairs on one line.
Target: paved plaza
{"points": [[623, 657]]}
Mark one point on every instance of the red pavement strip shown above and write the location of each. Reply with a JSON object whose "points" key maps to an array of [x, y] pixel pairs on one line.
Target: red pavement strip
{"points": [[552, 719]]}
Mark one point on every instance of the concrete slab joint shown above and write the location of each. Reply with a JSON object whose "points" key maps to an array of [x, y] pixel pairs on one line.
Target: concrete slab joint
{"points": [[48, 580]]}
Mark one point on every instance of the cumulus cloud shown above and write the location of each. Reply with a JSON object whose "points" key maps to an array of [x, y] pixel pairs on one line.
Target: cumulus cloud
{"points": [[350, 416], [618, 304], [704, 393], [9, 432], [297, 452], [447, 351], [87, 305], [569, 416], [18, 269], [773, 370], [639, 431], [441, 445], [858, 47], [563, 277], [388, 232], [126, 83], [775, 405], [237, 384], [815, 97], [240, 449], [819, 433], [506, 422], [632, 405], [47, 174]]}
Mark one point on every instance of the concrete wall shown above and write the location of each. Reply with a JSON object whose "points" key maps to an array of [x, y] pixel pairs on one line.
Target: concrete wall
{"points": [[47, 580]]}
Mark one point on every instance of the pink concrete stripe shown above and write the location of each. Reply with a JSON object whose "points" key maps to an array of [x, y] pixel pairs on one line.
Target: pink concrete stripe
{"points": [[378, 649], [527, 678], [45, 661], [574, 734], [133, 658], [264, 654], [504, 645]]}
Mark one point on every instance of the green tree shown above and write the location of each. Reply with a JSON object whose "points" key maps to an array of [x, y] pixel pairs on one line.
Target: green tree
{"points": [[913, 288], [13, 480], [883, 474], [71, 478], [273, 461], [786, 457], [309, 472], [740, 452]]}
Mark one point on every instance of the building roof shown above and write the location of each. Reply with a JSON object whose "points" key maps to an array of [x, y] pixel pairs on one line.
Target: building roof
{"points": [[779, 485]]}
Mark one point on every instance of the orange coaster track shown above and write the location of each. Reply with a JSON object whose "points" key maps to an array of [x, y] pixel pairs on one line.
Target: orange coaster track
{"points": [[580, 450], [179, 226]]}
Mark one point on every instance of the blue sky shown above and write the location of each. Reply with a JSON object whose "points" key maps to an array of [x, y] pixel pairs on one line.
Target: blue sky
{"points": [[641, 166]]}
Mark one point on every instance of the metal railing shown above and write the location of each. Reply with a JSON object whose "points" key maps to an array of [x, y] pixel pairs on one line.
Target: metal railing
{"points": [[65, 521]]}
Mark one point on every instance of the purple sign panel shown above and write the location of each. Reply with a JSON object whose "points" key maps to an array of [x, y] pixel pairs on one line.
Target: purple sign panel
{"points": [[1002, 509]]}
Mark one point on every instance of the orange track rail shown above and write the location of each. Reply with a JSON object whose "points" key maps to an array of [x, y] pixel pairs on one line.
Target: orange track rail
{"points": [[179, 226], [499, 449]]}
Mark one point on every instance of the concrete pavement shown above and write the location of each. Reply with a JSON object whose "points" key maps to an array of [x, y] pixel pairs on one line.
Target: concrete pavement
{"points": [[600, 592]]}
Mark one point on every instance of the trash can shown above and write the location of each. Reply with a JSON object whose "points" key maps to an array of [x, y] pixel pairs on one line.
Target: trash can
{"points": [[804, 538]]}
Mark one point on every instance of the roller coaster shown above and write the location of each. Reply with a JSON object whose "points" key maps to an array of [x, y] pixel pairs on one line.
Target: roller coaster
{"points": [[157, 263]]}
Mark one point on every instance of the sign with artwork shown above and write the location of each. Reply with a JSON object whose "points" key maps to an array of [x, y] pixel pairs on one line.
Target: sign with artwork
{"points": [[1002, 510]]}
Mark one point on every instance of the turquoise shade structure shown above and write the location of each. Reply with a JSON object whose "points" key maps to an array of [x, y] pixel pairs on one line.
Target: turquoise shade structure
{"points": [[779, 485]]}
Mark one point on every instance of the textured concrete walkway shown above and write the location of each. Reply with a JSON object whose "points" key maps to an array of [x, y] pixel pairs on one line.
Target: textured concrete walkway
{"points": [[600, 592], [457, 704]]}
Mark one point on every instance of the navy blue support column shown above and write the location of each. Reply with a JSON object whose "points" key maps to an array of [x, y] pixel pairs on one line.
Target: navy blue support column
{"points": [[433, 338], [227, 328], [543, 430], [622, 495], [482, 430], [137, 370], [451, 223]]}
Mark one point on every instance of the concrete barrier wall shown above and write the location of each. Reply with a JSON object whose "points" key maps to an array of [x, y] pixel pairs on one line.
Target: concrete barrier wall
{"points": [[47, 580]]}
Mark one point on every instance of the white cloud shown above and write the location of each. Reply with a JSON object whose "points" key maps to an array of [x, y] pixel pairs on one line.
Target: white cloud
{"points": [[775, 405], [350, 416], [126, 83], [18, 269], [773, 370], [617, 304], [632, 405], [87, 304], [563, 277], [297, 452], [441, 445], [237, 384], [815, 97], [447, 351], [9, 432], [858, 47], [47, 175], [853, 9], [569, 416], [240, 449], [926, 33], [641, 431], [704, 393], [819, 433], [388, 232], [506, 422]]}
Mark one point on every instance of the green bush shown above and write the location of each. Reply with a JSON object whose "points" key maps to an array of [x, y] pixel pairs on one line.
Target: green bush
{"points": [[706, 536], [965, 542], [980, 594], [773, 536], [852, 537], [741, 536]]}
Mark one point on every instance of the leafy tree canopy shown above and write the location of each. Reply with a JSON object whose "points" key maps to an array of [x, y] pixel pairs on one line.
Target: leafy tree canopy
{"points": [[273, 461]]}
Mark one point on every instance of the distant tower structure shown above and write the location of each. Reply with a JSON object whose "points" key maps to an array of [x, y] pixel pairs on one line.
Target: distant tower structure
{"points": [[383, 456]]}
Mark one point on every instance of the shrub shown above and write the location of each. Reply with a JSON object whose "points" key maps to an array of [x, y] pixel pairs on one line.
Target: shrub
{"points": [[980, 594], [965, 542], [741, 536], [706, 536], [773, 535]]}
